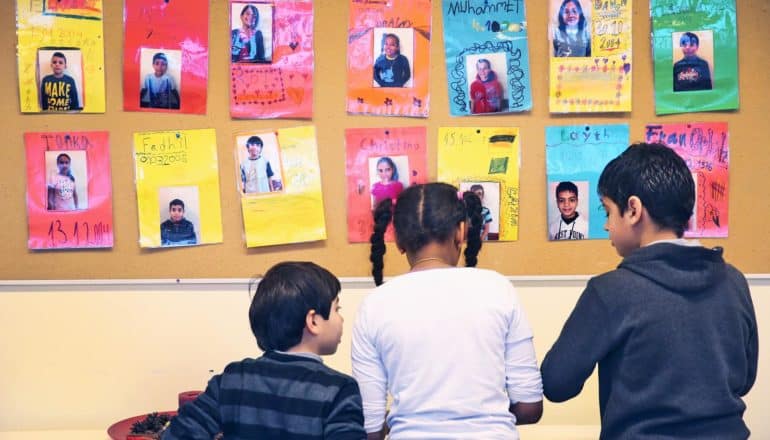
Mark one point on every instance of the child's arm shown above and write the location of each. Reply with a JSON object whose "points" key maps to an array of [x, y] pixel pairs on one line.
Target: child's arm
{"points": [[75, 196], [43, 95], [485, 231], [583, 342], [260, 46], [51, 198], [74, 103], [376, 72], [197, 419], [346, 417], [405, 71], [369, 371]]}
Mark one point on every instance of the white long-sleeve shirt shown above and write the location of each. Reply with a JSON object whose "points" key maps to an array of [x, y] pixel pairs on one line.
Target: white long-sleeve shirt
{"points": [[453, 347]]}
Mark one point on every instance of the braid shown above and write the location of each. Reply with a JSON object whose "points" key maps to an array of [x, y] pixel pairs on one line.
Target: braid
{"points": [[383, 213], [472, 212]]}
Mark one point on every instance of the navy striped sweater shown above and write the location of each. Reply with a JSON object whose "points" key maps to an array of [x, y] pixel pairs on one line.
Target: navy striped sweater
{"points": [[277, 396]]}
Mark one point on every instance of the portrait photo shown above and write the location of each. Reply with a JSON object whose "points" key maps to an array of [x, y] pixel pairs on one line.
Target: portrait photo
{"points": [[388, 176], [393, 55], [568, 210], [251, 35], [693, 60], [489, 193], [571, 28], [66, 180], [179, 215], [160, 71], [259, 163], [60, 77], [487, 76]]}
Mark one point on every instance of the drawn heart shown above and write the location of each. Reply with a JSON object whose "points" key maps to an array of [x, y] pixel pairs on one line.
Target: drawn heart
{"points": [[293, 45], [296, 94]]}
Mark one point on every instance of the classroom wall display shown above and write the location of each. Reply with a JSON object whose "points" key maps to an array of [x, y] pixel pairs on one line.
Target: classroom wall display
{"points": [[487, 57], [590, 56], [69, 190], [705, 147], [388, 55], [279, 180], [380, 163], [165, 56], [177, 188], [271, 59], [485, 160], [695, 51], [61, 56], [575, 157]]}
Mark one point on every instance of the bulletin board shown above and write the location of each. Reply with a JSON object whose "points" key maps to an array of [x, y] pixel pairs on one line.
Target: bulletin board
{"points": [[746, 245]]}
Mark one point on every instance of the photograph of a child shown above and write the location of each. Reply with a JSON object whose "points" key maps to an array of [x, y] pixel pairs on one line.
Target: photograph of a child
{"points": [[571, 28], [489, 194], [393, 55], [161, 75], [487, 76], [693, 60], [251, 38], [179, 213], [388, 176], [568, 213], [66, 180], [60, 75], [259, 163]]}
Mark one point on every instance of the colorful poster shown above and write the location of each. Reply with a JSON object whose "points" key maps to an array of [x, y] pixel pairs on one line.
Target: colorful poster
{"points": [[177, 188], [388, 55], [381, 162], [705, 147], [575, 157], [487, 57], [61, 56], [695, 51], [590, 61], [485, 160], [271, 59], [165, 56], [279, 180], [69, 190]]}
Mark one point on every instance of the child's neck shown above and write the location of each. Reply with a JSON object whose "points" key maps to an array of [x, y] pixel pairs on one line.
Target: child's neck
{"points": [[391, 58]]}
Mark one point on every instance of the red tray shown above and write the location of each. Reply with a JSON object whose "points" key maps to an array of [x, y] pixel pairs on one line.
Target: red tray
{"points": [[121, 429]]}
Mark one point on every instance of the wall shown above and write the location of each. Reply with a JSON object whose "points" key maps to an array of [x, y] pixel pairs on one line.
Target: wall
{"points": [[85, 356], [746, 245]]}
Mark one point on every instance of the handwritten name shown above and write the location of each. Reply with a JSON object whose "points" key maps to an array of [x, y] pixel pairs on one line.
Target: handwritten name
{"points": [[66, 141], [494, 7], [706, 142]]}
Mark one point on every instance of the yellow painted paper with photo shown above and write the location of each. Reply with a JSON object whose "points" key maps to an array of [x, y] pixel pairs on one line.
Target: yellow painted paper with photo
{"points": [[289, 209], [590, 56], [61, 56], [177, 188], [485, 160]]}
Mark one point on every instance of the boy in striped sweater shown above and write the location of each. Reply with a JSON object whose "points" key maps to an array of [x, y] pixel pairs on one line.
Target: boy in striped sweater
{"points": [[288, 392]]}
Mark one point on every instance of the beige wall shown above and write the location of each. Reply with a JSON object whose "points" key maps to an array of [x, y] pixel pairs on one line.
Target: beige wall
{"points": [[83, 357]]}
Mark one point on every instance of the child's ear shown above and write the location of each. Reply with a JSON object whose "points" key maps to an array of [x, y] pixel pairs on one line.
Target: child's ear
{"points": [[634, 209], [310, 322], [460, 234]]}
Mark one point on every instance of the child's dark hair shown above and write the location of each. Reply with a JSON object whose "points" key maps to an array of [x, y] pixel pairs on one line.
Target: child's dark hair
{"points": [[283, 298], [424, 214], [254, 140], [389, 161], [69, 171], [475, 187], [689, 37], [159, 56], [485, 61], [393, 36], [659, 177], [581, 20], [566, 186], [176, 202], [59, 55]]}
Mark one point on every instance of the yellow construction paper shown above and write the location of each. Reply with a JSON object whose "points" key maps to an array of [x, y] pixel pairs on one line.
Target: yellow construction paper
{"points": [[487, 156], [177, 165], [295, 212], [74, 29]]}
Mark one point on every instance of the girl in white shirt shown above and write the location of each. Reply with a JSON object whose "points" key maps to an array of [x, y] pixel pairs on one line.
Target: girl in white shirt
{"points": [[452, 346]]}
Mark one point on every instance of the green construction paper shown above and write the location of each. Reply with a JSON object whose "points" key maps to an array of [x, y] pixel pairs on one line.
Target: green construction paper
{"points": [[714, 24]]}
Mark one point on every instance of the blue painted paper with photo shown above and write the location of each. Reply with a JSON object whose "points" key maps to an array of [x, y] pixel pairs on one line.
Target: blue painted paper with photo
{"points": [[575, 157], [487, 58]]}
